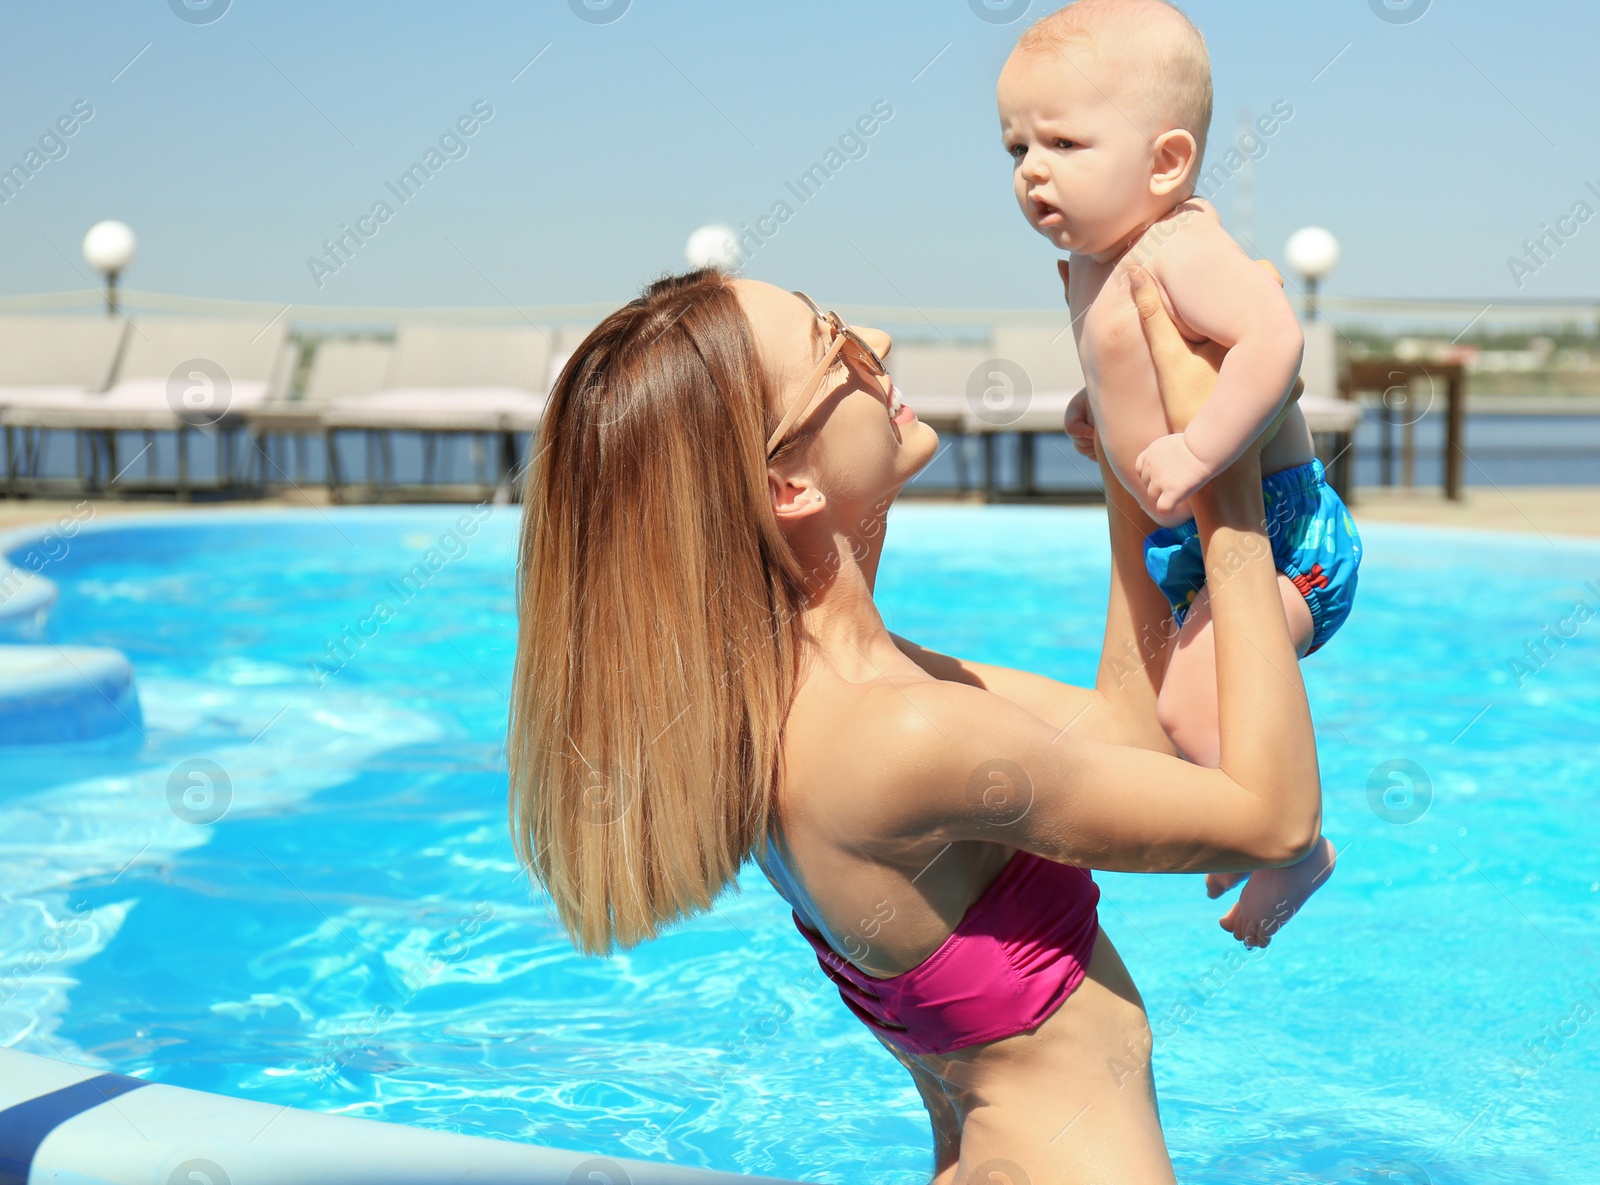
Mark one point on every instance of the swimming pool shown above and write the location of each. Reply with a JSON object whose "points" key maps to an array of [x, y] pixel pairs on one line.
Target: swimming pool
{"points": [[297, 884]]}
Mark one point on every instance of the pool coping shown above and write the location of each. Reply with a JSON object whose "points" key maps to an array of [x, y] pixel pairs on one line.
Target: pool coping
{"points": [[17, 612], [15, 536]]}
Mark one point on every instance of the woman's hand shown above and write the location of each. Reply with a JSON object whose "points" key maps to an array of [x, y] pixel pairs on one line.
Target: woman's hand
{"points": [[1186, 371]]}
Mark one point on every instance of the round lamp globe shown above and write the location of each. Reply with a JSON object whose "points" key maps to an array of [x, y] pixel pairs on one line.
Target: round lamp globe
{"points": [[109, 246], [1313, 252], [713, 246]]}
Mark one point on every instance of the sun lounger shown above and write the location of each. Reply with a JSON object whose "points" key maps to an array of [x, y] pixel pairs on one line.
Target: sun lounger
{"points": [[341, 368], [176, 374], [1020, 381], [52, 359], [932, 377], [1030, 375], [446, 380]]}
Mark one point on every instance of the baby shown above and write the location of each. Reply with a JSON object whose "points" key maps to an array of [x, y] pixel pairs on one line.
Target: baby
{"points": [[1104, 108]]}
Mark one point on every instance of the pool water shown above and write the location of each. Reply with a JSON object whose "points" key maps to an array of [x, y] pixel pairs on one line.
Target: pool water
{"points": [[296, 883]]}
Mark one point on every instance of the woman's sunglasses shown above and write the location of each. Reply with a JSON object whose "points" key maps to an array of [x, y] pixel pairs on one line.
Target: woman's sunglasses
{"points": [[841, 338]]}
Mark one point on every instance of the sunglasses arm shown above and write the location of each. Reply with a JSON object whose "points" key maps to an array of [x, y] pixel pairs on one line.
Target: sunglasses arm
{"points": [[802, 402]]}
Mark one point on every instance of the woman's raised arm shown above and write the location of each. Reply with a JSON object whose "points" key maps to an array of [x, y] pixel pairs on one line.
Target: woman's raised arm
{"points": [[978, 767], [1121, 706], [987, 769]]}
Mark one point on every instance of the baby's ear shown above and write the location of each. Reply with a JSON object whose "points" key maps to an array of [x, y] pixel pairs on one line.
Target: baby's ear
{"points": [[1176, 157]]}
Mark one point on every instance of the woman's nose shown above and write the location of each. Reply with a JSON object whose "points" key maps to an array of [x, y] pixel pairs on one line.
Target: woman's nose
{"points": [[880, 341]]}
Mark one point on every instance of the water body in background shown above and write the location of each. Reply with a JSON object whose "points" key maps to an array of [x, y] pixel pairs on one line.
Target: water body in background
{"points": [[1502, 450]]}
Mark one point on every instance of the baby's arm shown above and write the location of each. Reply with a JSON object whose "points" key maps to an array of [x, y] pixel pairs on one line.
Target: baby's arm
{"points": [[1217, 292]]}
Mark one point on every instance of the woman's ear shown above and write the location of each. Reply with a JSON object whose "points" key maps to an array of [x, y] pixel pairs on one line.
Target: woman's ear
{"points": [[1176, 157], [793, 498]]}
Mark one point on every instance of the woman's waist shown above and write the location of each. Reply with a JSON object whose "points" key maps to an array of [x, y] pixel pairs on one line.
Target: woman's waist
{"points": [[1095, 1032]]}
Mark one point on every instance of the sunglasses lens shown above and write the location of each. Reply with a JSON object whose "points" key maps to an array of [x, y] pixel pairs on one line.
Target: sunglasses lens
{"points": [[868, 358], [865, 356]]}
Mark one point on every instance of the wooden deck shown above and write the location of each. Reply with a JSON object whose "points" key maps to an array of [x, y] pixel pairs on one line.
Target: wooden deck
{"points": [[1550, 510]]}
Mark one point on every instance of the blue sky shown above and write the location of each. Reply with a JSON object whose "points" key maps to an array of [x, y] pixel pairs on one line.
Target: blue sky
{"points": [[1433, 145]]}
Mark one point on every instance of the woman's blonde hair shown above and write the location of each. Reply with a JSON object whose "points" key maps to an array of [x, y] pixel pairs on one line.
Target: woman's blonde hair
{"points": [[658, 620]]}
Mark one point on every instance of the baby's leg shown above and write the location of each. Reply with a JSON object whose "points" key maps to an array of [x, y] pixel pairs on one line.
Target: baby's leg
{"points": [[1187, 710], [1187, 707]]}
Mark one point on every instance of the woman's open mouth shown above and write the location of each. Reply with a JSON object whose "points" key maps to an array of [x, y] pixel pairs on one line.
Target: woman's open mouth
{"points": [[899, 412]]}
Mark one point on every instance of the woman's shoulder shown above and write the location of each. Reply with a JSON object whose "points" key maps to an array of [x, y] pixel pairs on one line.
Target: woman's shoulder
{"points": [[892, 761], [1049, 699], [906, 712]]}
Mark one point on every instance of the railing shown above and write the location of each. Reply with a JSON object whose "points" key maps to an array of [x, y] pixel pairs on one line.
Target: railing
{"points": [[1398, 380], [1463, 310]]}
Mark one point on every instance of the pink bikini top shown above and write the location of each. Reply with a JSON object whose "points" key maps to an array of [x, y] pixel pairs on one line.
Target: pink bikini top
{"points": [[1019, 950]]}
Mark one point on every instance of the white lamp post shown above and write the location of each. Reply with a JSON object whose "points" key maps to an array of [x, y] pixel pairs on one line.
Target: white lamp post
{"points": [[713, 246], [1313, 253], [109, 247]]}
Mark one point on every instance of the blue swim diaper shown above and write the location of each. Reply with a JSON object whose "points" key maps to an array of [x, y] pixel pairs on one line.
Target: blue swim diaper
{"points": [[1314, 544]]}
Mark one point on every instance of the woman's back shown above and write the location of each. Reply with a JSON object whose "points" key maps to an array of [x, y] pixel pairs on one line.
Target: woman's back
{"points": [[885, 902]]}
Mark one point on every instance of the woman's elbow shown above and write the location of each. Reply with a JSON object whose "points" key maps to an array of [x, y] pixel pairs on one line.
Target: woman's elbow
{"points": [[1283, 838], [1295, 839]]}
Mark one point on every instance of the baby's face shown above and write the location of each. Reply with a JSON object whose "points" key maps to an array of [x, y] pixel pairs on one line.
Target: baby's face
{"points": [[1080, 167]]}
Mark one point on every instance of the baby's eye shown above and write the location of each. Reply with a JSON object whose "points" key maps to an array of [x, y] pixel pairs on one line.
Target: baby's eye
{"points": [[1064, 144], [1016, 151]]}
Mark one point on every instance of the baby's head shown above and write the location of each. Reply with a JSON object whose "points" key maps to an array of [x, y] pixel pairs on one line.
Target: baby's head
{"points": [[1104, 108]]}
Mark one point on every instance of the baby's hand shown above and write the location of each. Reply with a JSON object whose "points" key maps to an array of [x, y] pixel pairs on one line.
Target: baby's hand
{"points": [[1079, 424], [1170, 471]]}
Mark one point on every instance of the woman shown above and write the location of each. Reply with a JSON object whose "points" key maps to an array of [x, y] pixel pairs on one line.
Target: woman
{"points": [[702, 677]]}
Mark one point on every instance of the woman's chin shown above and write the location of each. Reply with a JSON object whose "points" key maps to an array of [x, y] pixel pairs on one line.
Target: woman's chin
{"points": [[918, 446]]}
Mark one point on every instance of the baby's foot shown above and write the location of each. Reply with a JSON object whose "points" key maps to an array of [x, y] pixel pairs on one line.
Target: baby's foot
{"points": [[1274, 895], [1218, 883]]}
